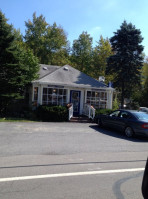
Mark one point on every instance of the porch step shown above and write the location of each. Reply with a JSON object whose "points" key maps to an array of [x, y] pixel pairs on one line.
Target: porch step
{"points": [[80, 119]]}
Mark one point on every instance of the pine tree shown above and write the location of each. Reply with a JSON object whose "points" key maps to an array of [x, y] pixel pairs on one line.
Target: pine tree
{"points": [[127, 60], [7, 57], [18, 65]]}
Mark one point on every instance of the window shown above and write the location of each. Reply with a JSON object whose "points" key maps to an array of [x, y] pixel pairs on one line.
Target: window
{"points": [[98, 99], [56, 96], [35, 97], [124, 115], [115, 114]]}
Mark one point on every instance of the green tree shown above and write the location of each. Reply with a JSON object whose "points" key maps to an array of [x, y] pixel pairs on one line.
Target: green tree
{"points": [[56, 45], [144, 98], [48, 42], [145, 71], [18, 66], [100, 54], [82, 53], [127, 60], [35, 35]]}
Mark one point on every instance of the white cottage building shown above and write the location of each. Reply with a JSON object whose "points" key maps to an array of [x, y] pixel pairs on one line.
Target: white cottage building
{"points": [[62, 85]]}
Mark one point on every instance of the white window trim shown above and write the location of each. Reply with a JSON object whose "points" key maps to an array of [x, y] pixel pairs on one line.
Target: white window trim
{"points": [[52, 102]]}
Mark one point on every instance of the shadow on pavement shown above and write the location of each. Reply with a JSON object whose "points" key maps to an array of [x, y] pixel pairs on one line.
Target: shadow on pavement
{"points": [[118, 134]]}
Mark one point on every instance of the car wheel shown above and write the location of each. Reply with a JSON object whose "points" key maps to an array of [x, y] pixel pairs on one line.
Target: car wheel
{"points": [[99, 122], [129, 132]]}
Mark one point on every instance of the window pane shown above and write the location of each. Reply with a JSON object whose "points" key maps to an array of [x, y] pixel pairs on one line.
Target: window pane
{"points": [[124, 115], [50, 91], [105, 96], [64, 99], [88, 93], [60, 91], [44, 98], [49, 98], [64, 91], [35, 93], [88, 101], [115, 114], [60, 100], [55, 91], [93, 94], [102, 95], [44, 90], [97, 94]]}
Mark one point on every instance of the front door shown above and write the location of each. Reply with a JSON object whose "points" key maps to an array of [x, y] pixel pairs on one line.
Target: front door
{"points": [[75, 100]]}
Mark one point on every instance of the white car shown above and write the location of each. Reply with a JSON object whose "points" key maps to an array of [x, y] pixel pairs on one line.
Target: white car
{"points": [[143, 109]]}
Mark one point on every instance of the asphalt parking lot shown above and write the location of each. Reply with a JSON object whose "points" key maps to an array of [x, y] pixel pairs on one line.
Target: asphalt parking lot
{"points": [[82, 151]]}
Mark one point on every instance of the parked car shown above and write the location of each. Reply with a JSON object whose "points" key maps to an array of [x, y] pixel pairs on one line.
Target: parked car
{"points": [[143, 109], [128, 121]]}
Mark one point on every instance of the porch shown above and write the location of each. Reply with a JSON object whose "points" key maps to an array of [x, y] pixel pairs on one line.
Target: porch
{"points": [[87, 116]]}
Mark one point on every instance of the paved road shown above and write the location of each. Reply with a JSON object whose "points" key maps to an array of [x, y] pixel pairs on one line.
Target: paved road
{"points": [[69, 160]]}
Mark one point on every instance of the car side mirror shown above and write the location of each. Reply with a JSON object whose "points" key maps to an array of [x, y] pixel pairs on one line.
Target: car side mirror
{"points": [[145, 182]]}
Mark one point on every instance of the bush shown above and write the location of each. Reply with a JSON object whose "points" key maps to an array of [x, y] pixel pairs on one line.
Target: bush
{"points": [[103, 111], [52, 113], [115, 104]]}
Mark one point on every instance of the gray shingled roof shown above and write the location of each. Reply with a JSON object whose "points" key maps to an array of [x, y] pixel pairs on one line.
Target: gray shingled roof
{"points": [[46, 69], [67, 76]]}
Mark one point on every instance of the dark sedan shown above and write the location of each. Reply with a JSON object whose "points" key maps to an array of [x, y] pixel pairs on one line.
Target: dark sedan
{"points": [[128, 121]]}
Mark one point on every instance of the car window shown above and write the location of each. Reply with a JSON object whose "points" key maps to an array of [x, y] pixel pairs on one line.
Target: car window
{"points": [[115, 114], [124, 115]]}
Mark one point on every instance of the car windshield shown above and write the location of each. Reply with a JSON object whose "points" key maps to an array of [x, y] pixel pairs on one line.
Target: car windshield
{"points": [[141, 115]]}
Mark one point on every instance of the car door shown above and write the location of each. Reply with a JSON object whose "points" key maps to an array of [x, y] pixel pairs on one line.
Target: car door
{"points": [[111, 120], [123, 120]]}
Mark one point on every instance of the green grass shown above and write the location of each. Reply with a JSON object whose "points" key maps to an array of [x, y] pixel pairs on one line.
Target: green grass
{"points": [[9, 119]]}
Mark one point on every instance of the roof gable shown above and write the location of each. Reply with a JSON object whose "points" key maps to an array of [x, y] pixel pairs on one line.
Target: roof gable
{"points": [[70, 76]]}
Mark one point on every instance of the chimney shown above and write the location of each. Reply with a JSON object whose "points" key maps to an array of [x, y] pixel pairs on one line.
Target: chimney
{"points": [[101, 79]]}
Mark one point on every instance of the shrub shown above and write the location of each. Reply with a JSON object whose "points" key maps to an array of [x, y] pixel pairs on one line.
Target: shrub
{"points": [[115, 104], [50, 113], [103, 111]]}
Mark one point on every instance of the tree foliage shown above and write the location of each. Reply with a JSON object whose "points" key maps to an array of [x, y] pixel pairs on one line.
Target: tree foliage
{"points": [[18, 65], [127, 60], [145, 71], [82, 53], [144, 98], [100, 54], [48, 42]]}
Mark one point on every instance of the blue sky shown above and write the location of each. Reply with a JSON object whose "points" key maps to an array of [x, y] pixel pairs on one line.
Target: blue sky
{"points": [[97, 17]]}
